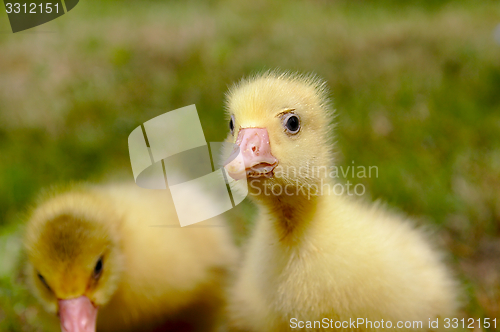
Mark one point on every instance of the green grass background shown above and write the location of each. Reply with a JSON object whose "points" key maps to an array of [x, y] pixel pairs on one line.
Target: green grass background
{"points": [[416, 87]]}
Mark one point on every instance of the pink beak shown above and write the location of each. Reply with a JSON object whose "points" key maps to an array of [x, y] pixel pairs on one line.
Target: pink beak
{"points": [[255, 150], [77, 315]]}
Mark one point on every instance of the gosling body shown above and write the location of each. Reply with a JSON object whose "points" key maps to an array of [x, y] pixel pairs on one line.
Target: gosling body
{"points": [[314, 257], [162, 278]]}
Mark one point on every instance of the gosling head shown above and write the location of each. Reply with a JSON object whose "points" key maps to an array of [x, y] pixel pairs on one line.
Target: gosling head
{"points": [[281, 125], [74, 259]]}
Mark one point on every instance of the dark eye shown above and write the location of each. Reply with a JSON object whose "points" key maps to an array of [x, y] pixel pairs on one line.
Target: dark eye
{"points": [[44, 282], [292, 123], [231, 124], [97, 269]]}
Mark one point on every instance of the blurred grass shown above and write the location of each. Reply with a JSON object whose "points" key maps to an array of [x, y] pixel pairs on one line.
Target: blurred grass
{"points": [[416, 88]]}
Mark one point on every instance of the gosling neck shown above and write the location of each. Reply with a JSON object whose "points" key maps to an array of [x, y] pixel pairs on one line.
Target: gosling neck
{"points": [[291, 206]]}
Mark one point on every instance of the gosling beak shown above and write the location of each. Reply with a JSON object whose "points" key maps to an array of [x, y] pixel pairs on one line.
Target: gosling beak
{"points": [[257, 160], [77, 315]]}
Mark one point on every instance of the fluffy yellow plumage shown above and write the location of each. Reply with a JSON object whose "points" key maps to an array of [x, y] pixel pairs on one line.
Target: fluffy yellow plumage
{"points": [[314, 254], [96, 243]]}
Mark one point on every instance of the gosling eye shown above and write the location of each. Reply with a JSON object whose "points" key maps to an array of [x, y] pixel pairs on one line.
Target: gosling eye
{"points": [[292, 123], [44, 282], [96, 274], [231, 124]]}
